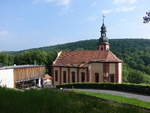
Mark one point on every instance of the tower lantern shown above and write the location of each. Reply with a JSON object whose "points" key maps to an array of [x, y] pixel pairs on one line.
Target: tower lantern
{"points": [[103, 40]]}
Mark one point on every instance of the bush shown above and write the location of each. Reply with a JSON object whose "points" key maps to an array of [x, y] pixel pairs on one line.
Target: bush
{"points": [[135, 77], [132, 88]]}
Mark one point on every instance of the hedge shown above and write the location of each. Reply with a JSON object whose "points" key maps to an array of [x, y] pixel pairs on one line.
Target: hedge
{"points": [[132, 88]]}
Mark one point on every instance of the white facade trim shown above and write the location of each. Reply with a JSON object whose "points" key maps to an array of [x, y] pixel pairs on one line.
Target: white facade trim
{"points": [[57, 57], [7, 78], [120, 72]]}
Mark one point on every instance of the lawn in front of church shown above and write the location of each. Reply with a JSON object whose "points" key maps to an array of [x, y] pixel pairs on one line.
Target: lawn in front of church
{"points": [[115, 98], [55, 101]]}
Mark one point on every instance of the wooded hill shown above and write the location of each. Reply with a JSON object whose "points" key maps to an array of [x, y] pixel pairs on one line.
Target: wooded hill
{"points": [[134, 52]]}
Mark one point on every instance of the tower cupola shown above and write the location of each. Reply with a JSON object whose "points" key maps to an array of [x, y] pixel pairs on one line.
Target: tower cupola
{"points": [[103, 40]]}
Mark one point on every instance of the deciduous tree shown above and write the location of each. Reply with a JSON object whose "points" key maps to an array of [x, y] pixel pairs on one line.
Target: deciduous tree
{"points": [[147, 17]]}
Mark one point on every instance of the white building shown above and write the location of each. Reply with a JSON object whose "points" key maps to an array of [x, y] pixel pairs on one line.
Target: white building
{"points": [[21, 76]]}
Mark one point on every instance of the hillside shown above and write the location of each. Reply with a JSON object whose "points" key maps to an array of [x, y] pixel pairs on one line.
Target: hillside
{"points": [[92, 45], [134, 52]]}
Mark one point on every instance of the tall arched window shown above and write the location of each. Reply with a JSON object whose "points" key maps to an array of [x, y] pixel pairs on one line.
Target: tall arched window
{"points": [[96, 77], [56, 75], [64, 76], [112, 78], [73, 76], [82, 76]]}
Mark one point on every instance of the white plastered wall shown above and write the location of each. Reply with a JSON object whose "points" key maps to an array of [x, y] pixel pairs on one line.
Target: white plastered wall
{"points": [[80, 71], [73, 70], [64, 69], [56, 82], [120, 72], [7, 78], [112, 68], [96, 68]]}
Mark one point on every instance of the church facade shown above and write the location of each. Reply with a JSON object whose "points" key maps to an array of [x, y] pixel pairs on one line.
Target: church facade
{"points": [[99, 65]]}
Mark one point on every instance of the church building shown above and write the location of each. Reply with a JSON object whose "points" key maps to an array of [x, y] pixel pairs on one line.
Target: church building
{"points": [[99, 65]]}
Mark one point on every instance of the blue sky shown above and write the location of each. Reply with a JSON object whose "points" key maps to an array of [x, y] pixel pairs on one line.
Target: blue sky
{"points": [[28, 24]]}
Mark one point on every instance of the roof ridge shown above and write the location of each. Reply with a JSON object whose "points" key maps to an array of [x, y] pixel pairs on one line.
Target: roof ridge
{"points": [[80, 51], [83, 57], [59, 53], [107, 54], [114, 56]]}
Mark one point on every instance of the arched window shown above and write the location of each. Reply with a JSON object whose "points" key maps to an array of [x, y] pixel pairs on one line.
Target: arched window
{"points": [[73, 76], [82, 76], [112, 78], [64, 76], [96, 77]]}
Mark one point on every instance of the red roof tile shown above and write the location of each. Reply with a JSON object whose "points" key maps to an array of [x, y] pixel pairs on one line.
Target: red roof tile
{"points": [[81, 58], [47, 76]]}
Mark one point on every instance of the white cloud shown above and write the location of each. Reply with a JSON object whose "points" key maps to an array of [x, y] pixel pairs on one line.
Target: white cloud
{"points": [[118, 10], [126, 9], [65, 3], [59, 2], [125, 1], [106, 11]]}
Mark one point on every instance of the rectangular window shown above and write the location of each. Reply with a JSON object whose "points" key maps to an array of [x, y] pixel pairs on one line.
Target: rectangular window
{"points": [[56, 75], [64, 76], [96, 77], [82, 76], [73, 77]]}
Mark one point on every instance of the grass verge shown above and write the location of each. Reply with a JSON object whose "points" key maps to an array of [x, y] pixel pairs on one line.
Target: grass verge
{"points": [[114, 98], [53, 101]]}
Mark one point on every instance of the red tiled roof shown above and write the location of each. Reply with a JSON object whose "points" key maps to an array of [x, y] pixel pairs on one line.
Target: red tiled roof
{"points": [[47, 76], [81, 58]]}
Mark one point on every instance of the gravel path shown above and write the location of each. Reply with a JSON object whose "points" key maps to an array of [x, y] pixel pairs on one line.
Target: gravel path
{"points": [[118, 93]]}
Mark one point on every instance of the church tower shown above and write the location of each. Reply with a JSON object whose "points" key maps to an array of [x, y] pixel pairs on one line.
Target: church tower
{"points": [[103, 40]]}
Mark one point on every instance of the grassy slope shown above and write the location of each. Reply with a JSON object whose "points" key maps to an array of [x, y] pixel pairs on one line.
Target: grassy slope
{"points": [[120, 99], [49, 101]]}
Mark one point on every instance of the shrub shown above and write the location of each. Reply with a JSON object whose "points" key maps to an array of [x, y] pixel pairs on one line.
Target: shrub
{"points": [[133, 88], [135, 77]]}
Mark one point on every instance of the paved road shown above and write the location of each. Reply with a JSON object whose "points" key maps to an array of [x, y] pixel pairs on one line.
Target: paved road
{"points": [[118, 93]]}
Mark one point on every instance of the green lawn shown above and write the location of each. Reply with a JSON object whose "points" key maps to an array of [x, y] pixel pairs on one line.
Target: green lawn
{"points": [[119, 99], [53, 101]]}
